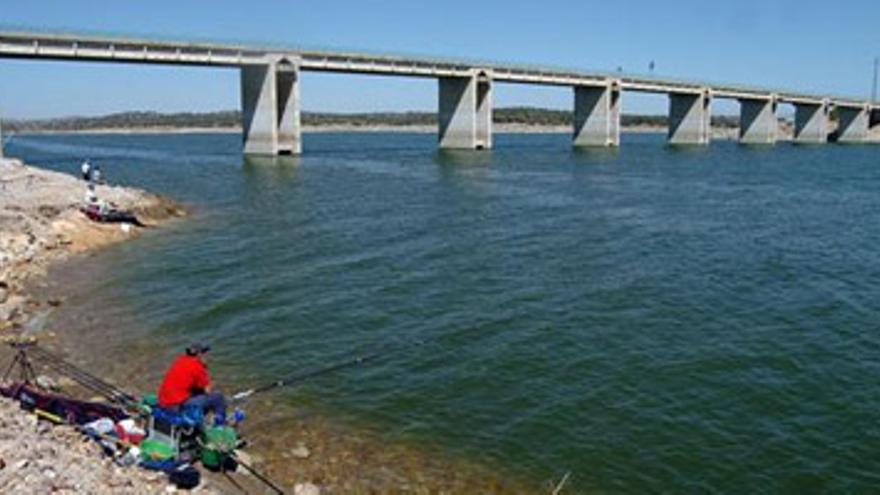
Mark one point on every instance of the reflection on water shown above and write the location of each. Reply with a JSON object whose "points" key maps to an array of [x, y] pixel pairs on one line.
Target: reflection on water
{"points": [[464, 158]]}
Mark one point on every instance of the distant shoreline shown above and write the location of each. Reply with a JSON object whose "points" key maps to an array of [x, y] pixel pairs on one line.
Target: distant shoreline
{"points": [[421, 129], [718, 133]]}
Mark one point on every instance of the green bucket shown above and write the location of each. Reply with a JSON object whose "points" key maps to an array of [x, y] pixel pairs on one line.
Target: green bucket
{"points": [[217, 444], [154, 450]]}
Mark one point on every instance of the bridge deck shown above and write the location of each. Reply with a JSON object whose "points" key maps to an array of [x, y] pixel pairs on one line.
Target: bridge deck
{"points": [[70, 46]]}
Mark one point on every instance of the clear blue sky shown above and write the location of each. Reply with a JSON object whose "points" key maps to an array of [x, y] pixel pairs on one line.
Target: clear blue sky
{"points": [[811, 45]]}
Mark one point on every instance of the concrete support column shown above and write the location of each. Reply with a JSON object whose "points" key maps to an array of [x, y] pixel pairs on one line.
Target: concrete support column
{"points": [[270, 108], [757, 121], [289, 125], [465, 112], [690, 117], [852, 124], [875, 119], [1, 140], [597, 115], [811, 122]]}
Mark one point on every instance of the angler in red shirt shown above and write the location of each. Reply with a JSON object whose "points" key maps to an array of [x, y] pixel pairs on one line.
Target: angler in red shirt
{"points": [[187, 384]]}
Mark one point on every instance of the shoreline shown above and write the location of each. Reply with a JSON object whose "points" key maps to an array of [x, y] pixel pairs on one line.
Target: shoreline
{"points": [[41, 227], [53, 244], [415, 129]]}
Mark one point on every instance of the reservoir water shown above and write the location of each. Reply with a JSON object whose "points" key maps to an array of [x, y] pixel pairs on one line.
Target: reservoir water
{"points": [[650, 319]]}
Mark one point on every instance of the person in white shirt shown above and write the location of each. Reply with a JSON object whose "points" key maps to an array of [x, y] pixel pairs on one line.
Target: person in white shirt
{"points": [[86, 171]]}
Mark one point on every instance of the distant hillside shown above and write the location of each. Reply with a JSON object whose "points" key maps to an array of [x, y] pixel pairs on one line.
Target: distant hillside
{"points": [[232, 119]]}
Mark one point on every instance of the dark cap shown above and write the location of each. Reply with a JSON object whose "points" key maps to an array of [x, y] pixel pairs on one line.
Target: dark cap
{"points": [[197, 348]]}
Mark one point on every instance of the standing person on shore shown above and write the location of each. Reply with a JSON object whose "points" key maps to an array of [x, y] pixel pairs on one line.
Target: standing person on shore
{"points": [[86, 169], [187, 384]]}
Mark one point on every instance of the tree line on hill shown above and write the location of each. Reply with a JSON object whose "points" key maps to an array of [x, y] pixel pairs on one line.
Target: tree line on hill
{"points": [[232, 118]]}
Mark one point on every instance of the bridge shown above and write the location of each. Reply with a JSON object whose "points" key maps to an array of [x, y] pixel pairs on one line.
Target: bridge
{"points": [[271, 101]]}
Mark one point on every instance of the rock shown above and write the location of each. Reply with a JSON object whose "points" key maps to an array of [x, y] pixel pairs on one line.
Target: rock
{"points": [[49, 211], [43, 428], [47, 383], [4, 292], [300, 451], [11, 309], [306, 489]]}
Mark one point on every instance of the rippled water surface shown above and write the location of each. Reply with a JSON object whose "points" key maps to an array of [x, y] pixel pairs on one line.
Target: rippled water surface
{"points": [[649, 319]]}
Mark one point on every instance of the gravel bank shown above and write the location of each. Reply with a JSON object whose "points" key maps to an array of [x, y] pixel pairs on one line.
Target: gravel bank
{"points": [[37, 457]]}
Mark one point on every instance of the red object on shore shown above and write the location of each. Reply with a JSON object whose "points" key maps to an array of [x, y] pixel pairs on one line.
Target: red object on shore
{"points": [[186, 376], [131, 437]]}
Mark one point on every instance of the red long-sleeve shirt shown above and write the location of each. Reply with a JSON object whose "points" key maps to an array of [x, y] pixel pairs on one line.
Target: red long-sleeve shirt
{"points": [[186, 376]]}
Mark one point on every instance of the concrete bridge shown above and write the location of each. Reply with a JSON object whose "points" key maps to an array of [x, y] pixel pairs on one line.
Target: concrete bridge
{"points": [[271, 102]]}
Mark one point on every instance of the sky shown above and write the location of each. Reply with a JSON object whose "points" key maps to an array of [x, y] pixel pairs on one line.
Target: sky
{"points": [[807, 45]]}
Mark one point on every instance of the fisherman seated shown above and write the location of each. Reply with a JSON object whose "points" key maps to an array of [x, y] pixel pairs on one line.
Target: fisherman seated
{"points": [[187, 385]]}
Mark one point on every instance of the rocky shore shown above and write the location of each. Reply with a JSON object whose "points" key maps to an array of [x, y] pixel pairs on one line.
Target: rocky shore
{"points": [[40, 223], [36, 457]]}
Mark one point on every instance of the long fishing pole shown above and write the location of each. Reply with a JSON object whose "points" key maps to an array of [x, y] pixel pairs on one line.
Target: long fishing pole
{"points": [[265, 479], [296, 378], [299, 377], [83, 377], [292, 379]]}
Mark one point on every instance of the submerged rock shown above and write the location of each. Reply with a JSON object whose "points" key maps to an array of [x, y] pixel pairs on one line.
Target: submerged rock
{"points": [[300, 451], [306, 489]]}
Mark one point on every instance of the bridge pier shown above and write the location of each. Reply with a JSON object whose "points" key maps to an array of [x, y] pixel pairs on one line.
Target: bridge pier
{"points": [[690, 117], [1, 139], [852, 124], [270, 108], [465, 112], [811, 122], [757, 121], [597, 115]]}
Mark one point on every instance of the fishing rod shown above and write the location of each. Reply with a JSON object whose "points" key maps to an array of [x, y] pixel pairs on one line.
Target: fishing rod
{"points": [[296, 378], [84, 378], [299, 377], [292, 379], [81, 376], [265, 479]]}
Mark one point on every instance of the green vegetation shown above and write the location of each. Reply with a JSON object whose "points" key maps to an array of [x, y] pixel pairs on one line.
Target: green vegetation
{"points": [[231, 119]]}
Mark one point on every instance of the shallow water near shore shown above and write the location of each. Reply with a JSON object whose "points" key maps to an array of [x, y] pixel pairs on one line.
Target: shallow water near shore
{"points": [[649, 319]]}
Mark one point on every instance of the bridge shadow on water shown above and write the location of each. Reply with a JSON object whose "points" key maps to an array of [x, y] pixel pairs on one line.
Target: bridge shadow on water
{"points": [[272, 169], [464, 158], [599, 155]]}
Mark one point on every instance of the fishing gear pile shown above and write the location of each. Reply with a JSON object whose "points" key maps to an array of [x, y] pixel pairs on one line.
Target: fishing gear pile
{"points": [[131, 430]]}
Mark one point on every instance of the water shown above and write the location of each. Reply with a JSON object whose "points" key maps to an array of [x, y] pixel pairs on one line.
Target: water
{"points": [[650, 319]]}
